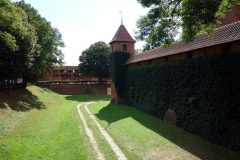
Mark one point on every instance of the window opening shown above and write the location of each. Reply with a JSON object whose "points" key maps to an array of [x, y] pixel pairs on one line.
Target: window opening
{"points": [[124, 47]]}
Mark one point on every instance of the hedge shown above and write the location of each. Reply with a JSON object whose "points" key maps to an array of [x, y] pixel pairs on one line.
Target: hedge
{"points": [[203, 92]]}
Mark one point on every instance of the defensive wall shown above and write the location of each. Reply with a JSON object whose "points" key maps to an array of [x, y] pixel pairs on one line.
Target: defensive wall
{"points": [[194, 85], [78, 87], [78, 84], [68, 73], [98, 89]]}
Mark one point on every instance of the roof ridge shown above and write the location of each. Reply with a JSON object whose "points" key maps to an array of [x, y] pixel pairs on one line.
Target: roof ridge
{"points": [[227, 25], [194, 39], [224, 34]]}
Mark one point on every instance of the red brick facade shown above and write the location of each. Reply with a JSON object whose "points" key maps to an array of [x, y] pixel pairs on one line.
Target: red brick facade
{"points": [[118, 46], [231, 16], [68, 73], [122, 41], [98, 89]]}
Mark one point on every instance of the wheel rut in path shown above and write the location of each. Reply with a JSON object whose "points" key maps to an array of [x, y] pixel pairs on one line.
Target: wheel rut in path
{"points": [[89, 132]]}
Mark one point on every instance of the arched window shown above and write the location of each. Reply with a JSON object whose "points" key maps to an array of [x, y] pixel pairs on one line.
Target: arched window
{"points": [[124, 47]]}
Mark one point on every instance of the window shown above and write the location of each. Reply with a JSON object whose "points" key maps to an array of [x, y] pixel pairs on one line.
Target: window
{"points": [[124, 47]]}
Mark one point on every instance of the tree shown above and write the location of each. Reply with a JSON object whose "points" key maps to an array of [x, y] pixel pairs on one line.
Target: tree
{"points": [[21, 49], [49, 38], [94, 61], [28, 43], [163, 21], [11, 22], [138, 51]]}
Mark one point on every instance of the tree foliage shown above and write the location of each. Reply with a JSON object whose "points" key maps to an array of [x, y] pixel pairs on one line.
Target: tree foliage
{"points": [[33, 44], [49, 39], [11, 22], [94, 60], [166, 17]]}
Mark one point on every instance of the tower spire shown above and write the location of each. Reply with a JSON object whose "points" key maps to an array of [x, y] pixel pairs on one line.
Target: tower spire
{"points": [[121, 17]]}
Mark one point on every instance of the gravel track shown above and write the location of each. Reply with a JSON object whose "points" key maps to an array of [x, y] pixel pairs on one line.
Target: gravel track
{"points": [[112, 144]]}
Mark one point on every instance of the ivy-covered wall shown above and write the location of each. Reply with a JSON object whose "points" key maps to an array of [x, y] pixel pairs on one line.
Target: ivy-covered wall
{"points": [[117, 69], [203, 92]]}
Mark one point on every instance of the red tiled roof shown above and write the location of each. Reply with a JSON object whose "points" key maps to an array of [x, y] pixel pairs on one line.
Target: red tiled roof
{"points": [[122, 35], [224, 34]]}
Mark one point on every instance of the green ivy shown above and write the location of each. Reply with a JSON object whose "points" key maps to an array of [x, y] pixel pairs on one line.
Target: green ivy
{"points": [[203, 92], [117, 59]]}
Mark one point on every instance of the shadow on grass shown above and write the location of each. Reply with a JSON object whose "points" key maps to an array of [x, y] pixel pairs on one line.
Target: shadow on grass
{"points": [[192, 144], [84, 97], [20, 100]]}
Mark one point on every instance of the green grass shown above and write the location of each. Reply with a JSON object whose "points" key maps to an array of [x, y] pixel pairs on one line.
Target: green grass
{"points": [[104, 147], [46, 125], [53, 130], [141, 136]]}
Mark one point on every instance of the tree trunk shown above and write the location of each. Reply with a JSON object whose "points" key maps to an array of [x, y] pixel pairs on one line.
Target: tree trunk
{"points": [[100, 80], [25, 81], [2, 85]]}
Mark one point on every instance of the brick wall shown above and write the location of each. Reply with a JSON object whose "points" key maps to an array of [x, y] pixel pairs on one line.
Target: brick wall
{"points": [[99, 89], [161, 59], [207, 51], [232, 16], [235, 46], [58, 75], [114, 95], [118, 46], [176, 57]]}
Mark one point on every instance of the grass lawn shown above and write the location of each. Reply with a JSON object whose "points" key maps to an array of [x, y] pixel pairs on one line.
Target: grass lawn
{"points": [[141, 136], [46, 125]]}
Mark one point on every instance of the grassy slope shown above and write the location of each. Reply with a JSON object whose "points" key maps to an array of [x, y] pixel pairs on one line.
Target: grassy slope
{"points": [[141, 136], [47, 126], [44, 128]]}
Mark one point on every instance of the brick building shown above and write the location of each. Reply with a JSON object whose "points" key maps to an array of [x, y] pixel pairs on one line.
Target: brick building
{"points": [[68, 73]]}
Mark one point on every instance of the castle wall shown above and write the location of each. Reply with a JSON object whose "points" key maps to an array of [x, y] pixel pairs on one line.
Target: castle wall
{"points": [[176, 57], [68, 73], [99, 89], [217, 49], [235, 46]]}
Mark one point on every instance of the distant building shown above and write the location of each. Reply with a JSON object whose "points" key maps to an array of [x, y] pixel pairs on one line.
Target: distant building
{"points": [[68, 73]]}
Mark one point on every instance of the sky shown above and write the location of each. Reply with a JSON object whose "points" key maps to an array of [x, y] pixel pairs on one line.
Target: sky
{"points": [[84, 22]]}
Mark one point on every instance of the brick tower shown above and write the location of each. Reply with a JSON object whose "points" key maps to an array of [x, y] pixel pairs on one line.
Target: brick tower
{"points": [[231, 16], [122, 41]]}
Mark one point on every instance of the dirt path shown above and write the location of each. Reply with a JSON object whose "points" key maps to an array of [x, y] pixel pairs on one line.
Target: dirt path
{"points": [[89, 132]]}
